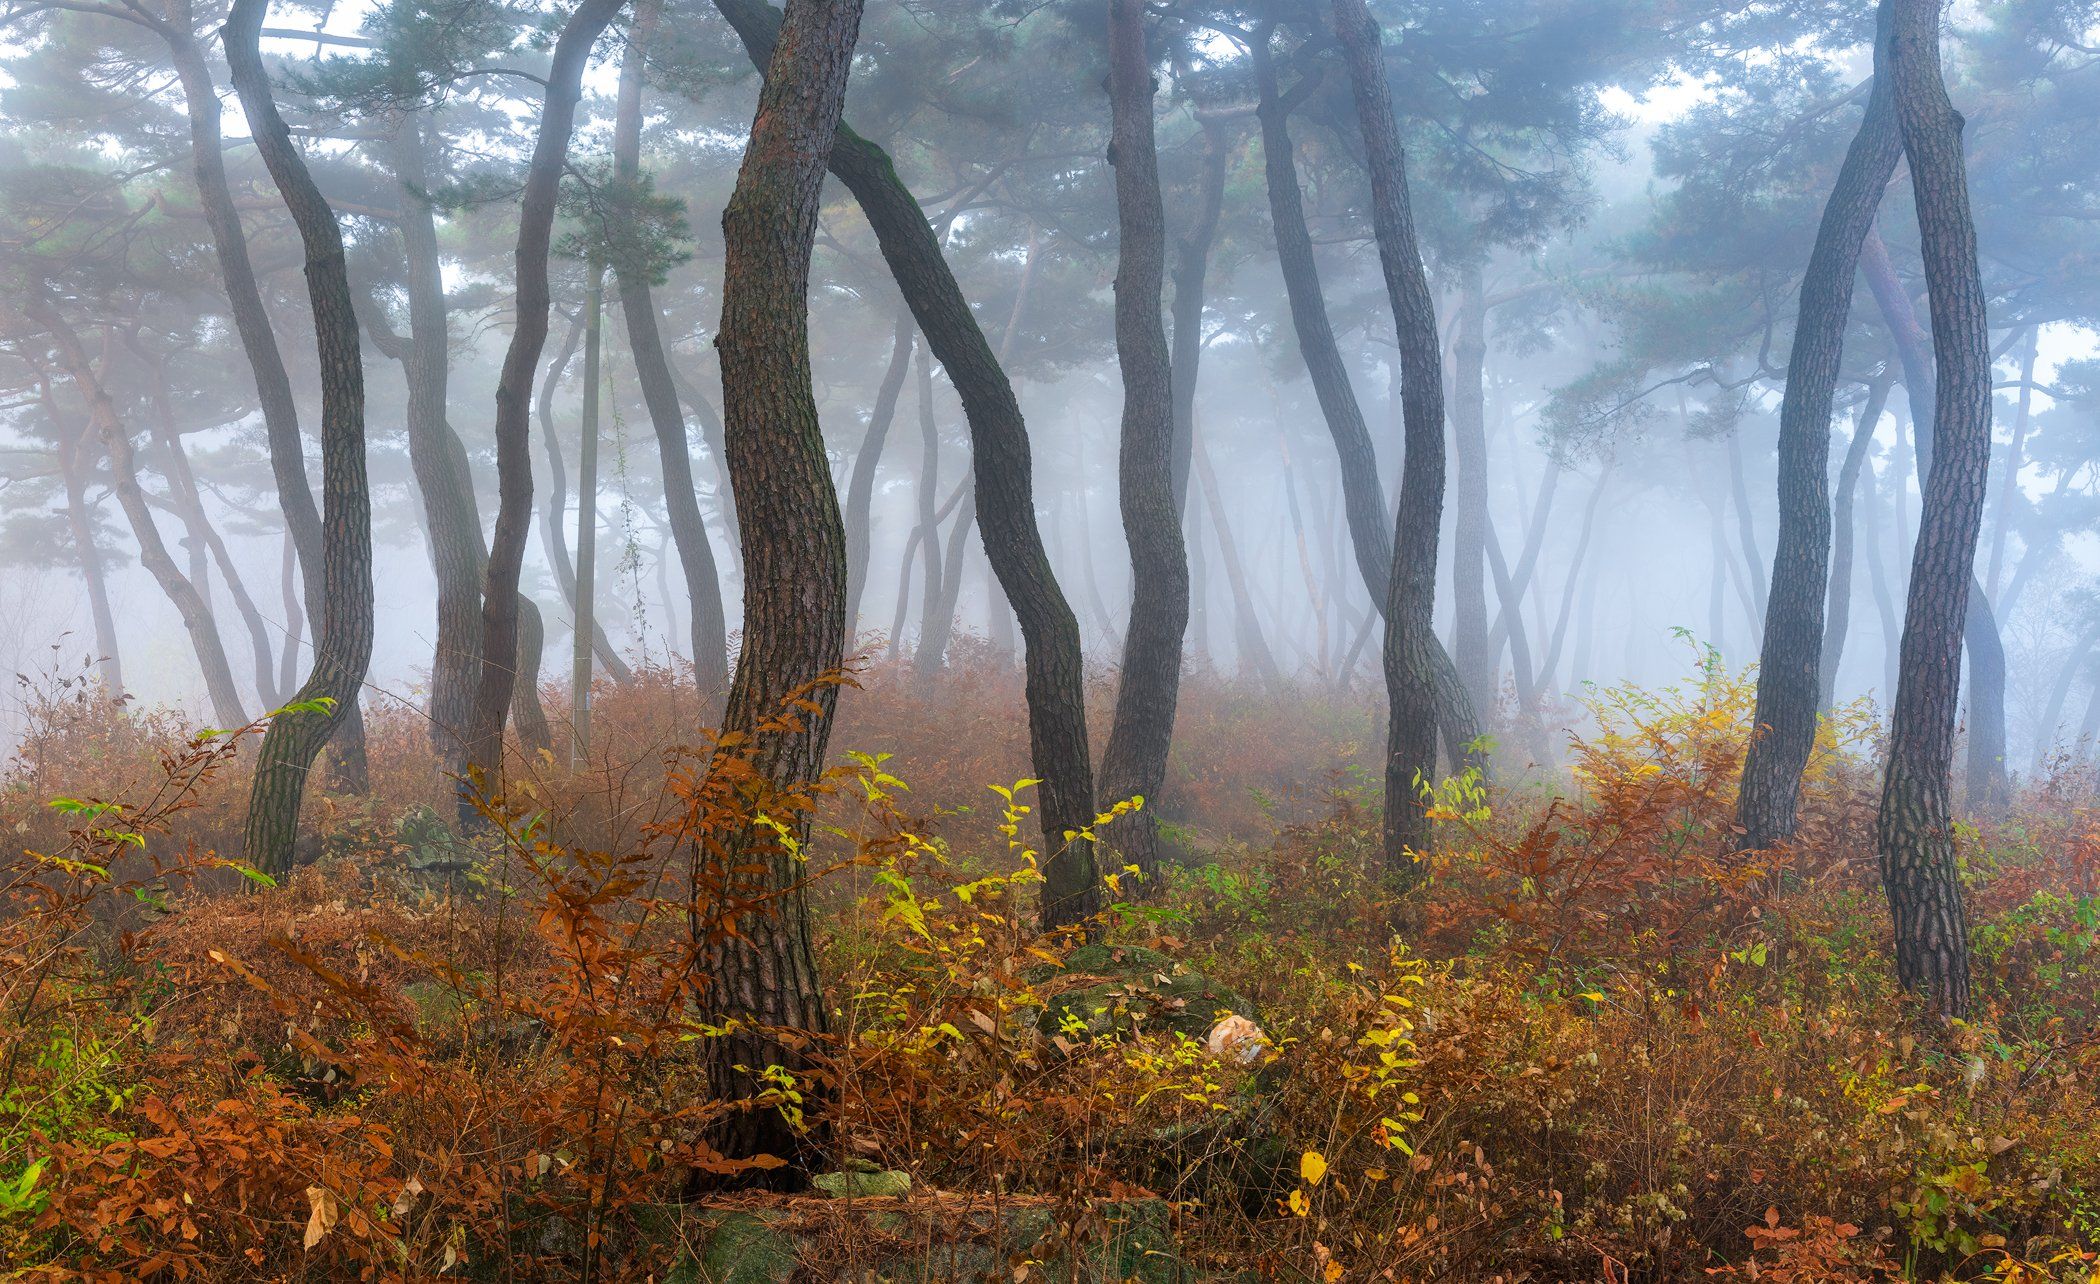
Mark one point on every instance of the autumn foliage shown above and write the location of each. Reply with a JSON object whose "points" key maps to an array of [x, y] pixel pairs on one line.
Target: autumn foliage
{"points": [[1601, 1044]]}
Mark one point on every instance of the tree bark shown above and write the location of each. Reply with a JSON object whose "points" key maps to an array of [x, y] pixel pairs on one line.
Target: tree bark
{"points": [[1363, 496], [1915, 827], [1004, 493], [652, 367], [343, 627], [1410, 598], [1134, 764], [794, 559], [1988, 788], [1790, 660], [536, 206]]}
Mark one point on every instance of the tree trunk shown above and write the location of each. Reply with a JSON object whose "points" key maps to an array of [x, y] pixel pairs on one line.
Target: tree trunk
{"points": [[1363, 496], [1004, 493], [652, 369], [73, 468], [2045, 740], [204, 538], [251, 321], [1469, 494], [794, 557], [1411, 651], [1878, 581], [343, 628], [1550, 661], [1134, 764], [1790, 661], [1837, 615], [536, 207], [1988, 788], [294, 617], [860, 485], [1915, 829], [554, 538], [124, 480], [1250, 648], [1746, 525], [438, 459], [586, 617]]}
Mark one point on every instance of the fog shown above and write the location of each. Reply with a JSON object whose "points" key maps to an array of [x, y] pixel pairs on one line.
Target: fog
{"points": [[1630, 213]]}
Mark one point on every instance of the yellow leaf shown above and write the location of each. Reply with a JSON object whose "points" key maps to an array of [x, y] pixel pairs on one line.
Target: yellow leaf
{"points": [[1298, 1203], [1312, 1166]]}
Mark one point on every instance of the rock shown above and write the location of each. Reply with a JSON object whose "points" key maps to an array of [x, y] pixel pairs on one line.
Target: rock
{"points": [[862, 1184], [1114, 989], [941, 1238]]}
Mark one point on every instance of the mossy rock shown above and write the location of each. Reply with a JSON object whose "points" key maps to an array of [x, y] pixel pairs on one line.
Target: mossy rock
{"points": [[1128, 987], [855, 1183], [1125, 1241]]}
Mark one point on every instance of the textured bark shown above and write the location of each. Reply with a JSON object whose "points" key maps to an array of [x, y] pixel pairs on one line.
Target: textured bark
{"points": [[102, 410], [696, 557], [860, 486], [251, 321], [794, 556], [1363, 497], [1837, 614], [1410, 596], [1134, 764], [499, 596], [343, 625], [1915, 826], [1987, 786], [438, 458], [1790, 660], [1004, 492]]}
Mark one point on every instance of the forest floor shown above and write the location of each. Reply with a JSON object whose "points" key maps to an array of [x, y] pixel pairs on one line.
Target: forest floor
{"points": [[1598, 1045]]}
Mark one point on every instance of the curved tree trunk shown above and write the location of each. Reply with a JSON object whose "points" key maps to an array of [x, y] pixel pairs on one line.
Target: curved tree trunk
{"points": [[1837, 614], [73, 466], [499, 597], [554, 539], [1790, 660], [1987, 787], [251, 321], [1134, 764], [1915, 828], [124, 480], [1363, 496], [1004, 494], [203, 536], [924, 540], [703, 581], [343, 629], [1410, 598], [860, 487], [794, 555]]}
